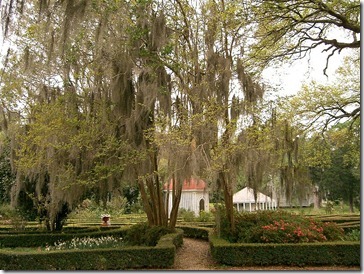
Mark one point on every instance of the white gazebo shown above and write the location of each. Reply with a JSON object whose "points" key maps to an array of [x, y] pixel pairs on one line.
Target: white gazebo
{"points": [[194, 197], [244, 201]]}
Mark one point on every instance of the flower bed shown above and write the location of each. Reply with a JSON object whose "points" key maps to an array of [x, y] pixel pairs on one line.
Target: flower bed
{"points": [[160, 256], [279, 227], [44, 239], [342, 253]]}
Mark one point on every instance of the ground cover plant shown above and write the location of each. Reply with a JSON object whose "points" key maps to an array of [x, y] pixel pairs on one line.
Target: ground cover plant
{"points": [[279, 227], [87, 243]]}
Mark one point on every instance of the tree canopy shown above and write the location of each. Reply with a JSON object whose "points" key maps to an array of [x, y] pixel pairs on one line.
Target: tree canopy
{"points": [[290, 30], [102, 94]]}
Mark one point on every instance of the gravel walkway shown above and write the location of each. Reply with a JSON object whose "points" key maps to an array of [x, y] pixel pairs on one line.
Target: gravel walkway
{"points": [[195, 255]]}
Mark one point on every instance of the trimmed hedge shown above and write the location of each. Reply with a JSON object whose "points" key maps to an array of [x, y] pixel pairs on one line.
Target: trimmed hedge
{"points": [[42, 239], [160, 256], [327, 253], [32, 230], [195, 232]]}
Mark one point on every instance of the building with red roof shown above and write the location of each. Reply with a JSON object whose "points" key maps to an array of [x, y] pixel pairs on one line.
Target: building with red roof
{"points": [[195, 195]]}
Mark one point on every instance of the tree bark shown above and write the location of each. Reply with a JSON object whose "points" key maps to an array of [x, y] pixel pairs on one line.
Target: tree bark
{"points": [[317, 200], [228, 198], [176, 198]]}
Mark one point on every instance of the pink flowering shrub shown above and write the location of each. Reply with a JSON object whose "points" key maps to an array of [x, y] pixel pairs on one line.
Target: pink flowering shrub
{"points": [[279, 227], [292, 232]]}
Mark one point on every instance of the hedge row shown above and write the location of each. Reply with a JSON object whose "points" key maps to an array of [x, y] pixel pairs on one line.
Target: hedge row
{"points": [[36, 230], [42, 239], [328, 253], [160, 256], [195, 232]]}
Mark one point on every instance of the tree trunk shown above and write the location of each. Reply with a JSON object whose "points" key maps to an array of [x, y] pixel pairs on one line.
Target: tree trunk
{"points": [[176, 198], [228, 199], [351, 203], [145, 200], [317, 200]]}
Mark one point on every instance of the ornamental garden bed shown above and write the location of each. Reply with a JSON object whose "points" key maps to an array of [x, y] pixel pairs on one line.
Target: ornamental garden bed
{"points": [[330, 244], [121, 255]]}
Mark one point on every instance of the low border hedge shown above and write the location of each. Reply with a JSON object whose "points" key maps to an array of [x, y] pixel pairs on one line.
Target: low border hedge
{"points": [[328, 253], [42, 239], [160, 256], [195, 232]]}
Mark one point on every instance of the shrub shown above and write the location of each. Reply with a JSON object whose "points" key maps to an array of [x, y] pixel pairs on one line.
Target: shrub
{"points": [[144, 235], [278, 227], [135, 234], [353, 235], [332, 231], [195, 232], [186, 215], [310, 254], [154, 233], [160, 256], [289, 232], [204, 216]]}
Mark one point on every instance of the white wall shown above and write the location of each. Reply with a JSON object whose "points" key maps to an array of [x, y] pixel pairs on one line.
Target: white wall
{"points": [[190, 200]]}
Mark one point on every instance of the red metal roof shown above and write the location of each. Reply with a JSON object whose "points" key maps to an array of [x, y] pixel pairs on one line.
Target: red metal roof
{"points": [[192, 184]]}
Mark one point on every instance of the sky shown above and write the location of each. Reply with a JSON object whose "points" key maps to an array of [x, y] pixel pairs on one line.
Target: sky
{"points": [[288, 78]]}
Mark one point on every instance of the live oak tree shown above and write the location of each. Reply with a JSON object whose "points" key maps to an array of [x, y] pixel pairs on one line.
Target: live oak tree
{"points": [[333, 158], [342, 178], [7, 178], [143, 92], [67, 79], [109, 72], [321, 106], [317, 108], [289, 30]]}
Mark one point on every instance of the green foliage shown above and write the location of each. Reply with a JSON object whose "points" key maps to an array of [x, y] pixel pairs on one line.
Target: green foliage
{"points": [[332, 231], [132, 196], [7, 177], [7, 211], [353, 235], [195, 232], [204, 216], [112, 258], [186, 215], [287, 30], [279, 227], [43, 239], [161, 256], [323, 253], [87, 243], [144, 235]]}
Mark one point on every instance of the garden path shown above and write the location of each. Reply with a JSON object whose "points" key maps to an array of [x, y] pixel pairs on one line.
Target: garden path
{"points": [[195, 254]]}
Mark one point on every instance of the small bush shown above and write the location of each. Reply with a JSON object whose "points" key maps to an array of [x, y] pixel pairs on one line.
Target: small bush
{"points": [[353, 235], [204, 216], [144, 235], [332, 231], [186, 215], [154, 233], [195, 232]]}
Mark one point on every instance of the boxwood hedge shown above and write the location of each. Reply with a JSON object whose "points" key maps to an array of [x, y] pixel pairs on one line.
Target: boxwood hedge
{"points": [[322, 253], [43, 239], [160, 256]]}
